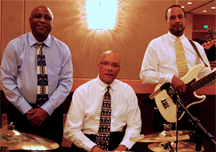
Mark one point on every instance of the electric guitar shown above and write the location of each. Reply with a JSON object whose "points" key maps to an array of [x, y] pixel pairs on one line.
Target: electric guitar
{"points": [[167, 107]]}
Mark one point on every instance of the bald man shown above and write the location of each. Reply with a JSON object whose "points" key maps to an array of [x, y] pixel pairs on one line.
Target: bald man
{"points": [[19, 78], [83, 118]]}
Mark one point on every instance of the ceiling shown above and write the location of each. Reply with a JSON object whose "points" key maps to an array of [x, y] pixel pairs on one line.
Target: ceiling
{"points": [[198, 6]]}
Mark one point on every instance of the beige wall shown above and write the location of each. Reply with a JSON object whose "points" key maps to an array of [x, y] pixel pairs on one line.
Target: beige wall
{"points": [[139, 21]]}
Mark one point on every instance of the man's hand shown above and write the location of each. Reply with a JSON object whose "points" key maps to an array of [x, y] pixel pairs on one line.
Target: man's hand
{"points": [[97, 149], [36, 116], [30, 113], [121, 148], [179, 85]]}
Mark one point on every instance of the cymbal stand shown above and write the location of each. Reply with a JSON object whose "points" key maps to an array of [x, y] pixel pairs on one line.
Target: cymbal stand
{"points": [[2, 149], [201, 132], [168, 146]]}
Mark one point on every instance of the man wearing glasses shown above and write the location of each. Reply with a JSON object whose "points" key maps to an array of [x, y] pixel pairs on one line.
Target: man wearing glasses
{"points": [[84, 118]]}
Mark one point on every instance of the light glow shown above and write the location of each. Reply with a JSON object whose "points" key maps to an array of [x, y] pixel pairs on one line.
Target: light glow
{"points": [[189, 3], [101, 14], [16, 132], [34, 148]]}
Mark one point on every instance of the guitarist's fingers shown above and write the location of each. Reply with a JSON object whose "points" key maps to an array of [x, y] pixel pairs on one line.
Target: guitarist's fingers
{"points": [[181, 89], [179, 85]]}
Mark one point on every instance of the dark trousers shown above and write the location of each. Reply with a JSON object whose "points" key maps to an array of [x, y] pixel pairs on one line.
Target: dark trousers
{"points": [[115, 140], [51, 129]]}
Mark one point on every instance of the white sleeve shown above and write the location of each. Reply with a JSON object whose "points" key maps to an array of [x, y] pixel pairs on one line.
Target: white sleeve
{"points": [[74, 122]]}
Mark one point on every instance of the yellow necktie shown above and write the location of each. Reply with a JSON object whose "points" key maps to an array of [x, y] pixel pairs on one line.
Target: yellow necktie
{"points": [[180, 58]]}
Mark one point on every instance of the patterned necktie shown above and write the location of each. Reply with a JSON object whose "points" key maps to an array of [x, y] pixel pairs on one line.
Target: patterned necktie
{"points": [[180, 58], [102, 139], [42, 87]]}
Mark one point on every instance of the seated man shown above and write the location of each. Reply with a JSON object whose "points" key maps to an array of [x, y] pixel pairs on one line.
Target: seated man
{"points": [[93, 127]]}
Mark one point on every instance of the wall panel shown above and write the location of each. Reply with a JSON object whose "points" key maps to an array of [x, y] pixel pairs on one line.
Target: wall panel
{"points": [[138, 23], [12, 21]]}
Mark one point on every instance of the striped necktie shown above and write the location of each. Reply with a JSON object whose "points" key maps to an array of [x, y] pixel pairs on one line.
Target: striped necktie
{"points": [[42, 87], [102, 139], [180, 58]]}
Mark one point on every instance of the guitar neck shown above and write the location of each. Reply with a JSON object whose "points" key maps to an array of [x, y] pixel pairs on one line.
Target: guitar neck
{"points": [[203, 81]]}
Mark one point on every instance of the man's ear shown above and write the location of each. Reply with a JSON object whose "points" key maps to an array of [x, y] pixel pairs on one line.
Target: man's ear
{"points": [[166, 22], [98, 66], [119, 69]]}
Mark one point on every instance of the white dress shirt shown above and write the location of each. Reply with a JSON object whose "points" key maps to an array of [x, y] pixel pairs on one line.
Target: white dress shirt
{"points": [[159, 62], [84, 113]]}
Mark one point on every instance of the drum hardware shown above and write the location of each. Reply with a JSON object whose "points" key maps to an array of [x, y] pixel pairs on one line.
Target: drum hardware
{"points": [[168, 146], [200, 131], [12, 139], [183, 146], [163, 136]]}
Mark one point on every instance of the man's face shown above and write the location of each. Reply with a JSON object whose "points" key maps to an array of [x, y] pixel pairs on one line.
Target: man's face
{"points": [[41, 22], [176, 21], [108, 67]]}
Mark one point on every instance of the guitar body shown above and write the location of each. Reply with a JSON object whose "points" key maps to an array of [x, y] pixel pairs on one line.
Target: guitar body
{"points": [[167, 107]]}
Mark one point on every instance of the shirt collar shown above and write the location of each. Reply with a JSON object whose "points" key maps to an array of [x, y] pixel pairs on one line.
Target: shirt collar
{"points": [[173, 37], [32, 40], [103, 85]]}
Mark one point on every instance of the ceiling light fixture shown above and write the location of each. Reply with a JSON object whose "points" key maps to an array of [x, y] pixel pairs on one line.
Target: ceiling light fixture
{"points": [[204, 11], [101, 14], [189, 3], [213, 7]]}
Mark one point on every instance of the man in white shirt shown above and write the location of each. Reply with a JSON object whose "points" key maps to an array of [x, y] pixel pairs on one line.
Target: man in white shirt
{"points": [[159, 63], [83, 118]]}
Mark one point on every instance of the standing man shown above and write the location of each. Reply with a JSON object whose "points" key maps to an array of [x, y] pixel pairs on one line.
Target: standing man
{"points": [[160, 60], [35, 102], [117, 120]]}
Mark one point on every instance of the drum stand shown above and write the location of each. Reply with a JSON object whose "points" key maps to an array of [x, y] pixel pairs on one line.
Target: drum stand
{"points": [[2, 149], [168, 146], [200, 131]]}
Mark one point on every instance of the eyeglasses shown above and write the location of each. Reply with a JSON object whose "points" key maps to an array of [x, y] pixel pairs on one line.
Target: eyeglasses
{"points": [[113, 65]]}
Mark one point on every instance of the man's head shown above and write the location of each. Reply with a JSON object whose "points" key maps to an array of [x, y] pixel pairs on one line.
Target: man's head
{"points": [[41, 22], [175, 20], [108, 66]]}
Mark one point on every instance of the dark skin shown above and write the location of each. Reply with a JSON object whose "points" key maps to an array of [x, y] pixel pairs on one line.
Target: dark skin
{"points": [[176, 23], [41, 21]]}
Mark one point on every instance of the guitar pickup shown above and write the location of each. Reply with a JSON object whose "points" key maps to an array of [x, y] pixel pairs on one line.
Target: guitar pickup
{"points": [[165, 103]]}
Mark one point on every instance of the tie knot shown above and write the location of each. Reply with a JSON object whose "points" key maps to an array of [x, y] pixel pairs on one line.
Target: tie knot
{"points": [[108, 87], [178, 38], [40, 44]]}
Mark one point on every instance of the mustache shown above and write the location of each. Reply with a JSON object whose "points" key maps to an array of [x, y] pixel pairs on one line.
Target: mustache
{"points": [[177, 24], [42, 25]]}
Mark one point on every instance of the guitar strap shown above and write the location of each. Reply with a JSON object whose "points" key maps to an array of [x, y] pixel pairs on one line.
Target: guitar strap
{"points": [[195, 48]]}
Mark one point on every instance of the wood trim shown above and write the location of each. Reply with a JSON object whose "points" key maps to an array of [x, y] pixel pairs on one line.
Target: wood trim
{"points": [[137, 85], [140, 88]]}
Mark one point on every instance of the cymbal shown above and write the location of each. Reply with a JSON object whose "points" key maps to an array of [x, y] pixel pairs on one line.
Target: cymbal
{"points": [[15, 140], [182, 146], [162, 136]]}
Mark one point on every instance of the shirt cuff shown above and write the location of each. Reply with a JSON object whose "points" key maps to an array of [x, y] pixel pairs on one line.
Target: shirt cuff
{"points": [[24, 107], [169, 77], [128, 144], [90, 145], [48, 107]]}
